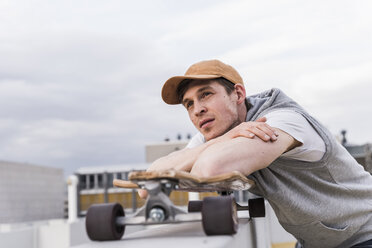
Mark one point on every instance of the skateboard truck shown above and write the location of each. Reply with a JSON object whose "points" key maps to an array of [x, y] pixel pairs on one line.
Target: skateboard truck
{"points": [[158, 206]]}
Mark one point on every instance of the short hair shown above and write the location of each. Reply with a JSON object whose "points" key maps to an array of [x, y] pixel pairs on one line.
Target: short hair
{"points": [[184, 86]]}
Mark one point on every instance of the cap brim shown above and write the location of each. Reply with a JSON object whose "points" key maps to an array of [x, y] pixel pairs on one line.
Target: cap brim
{"points": [[169, 90]]}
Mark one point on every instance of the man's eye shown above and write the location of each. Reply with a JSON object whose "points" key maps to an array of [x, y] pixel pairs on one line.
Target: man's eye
{"points": [[205, 94], [188, 105]]}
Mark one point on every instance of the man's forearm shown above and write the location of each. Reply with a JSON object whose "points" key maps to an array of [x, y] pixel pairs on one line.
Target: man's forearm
{"points": [[181, 160], [241, 154], [185, 159]]}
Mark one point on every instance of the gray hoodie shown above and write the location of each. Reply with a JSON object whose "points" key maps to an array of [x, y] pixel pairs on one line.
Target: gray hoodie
{"points": [[327, 203]]}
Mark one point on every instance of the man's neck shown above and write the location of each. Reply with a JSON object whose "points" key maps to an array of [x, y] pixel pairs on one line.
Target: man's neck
{"points": [[243, 111]]}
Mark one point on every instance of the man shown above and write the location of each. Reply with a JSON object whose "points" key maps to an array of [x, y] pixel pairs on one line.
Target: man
{"points": [[319, 193]]}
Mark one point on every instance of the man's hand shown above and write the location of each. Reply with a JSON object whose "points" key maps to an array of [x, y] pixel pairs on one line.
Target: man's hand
{"points": [[251, 129], [142, 193]]}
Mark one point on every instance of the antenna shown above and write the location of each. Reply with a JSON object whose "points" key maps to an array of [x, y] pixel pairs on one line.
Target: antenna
{"points": [[343, 141]]}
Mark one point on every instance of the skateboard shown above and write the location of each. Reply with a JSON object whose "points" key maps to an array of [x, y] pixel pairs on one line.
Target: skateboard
{"points": [[217, 214]]}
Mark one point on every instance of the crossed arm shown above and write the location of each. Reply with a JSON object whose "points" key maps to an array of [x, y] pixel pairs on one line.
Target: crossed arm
{"points": [[236, 150], [185, 159], [241, 154]]}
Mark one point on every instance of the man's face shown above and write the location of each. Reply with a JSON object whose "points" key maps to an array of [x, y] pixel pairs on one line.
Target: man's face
{"points": [[211, 109]]}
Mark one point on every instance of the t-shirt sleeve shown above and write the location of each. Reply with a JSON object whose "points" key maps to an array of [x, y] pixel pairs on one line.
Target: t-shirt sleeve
{"points": [[294, 124], [195, 141]]}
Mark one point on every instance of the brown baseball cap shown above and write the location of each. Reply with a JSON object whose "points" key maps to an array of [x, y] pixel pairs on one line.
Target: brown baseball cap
{"points": [[208, 69]]}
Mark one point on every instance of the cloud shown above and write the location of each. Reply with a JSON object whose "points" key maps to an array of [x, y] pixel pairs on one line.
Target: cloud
{"points": [[80, 82]]}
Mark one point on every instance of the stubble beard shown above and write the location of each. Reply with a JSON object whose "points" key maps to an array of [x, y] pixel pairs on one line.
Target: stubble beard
{"points": [[234, 124]]}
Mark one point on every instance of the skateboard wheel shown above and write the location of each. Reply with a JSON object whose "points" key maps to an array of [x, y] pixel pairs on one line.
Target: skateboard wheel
{"points": [[219, 216], [194, 206], [100, 222], [256, 207]]}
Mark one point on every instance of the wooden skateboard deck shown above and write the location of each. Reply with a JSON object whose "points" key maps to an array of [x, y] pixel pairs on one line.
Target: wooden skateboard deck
{"points": [[184, 181]]}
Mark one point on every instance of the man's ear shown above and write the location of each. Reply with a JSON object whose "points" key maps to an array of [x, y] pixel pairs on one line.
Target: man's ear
{"points": [[240, 91]]}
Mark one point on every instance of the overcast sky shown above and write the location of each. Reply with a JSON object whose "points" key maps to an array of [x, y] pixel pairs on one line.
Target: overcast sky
{"points": [[80, 81]]}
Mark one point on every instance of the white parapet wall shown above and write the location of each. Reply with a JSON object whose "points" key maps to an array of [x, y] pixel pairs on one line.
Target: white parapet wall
{"points": [[257, 233], [30, 193], [274, 233], [58, 233], [72, 192]]}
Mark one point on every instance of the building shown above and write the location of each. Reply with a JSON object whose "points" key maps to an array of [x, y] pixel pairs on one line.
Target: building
{"points": [[30, 192], [157, 150], [363, 154], [95, 186]]}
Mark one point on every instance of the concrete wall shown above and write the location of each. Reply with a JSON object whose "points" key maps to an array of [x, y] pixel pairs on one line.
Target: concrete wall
{"points": [[275, 233], [155, 151], [263, 233], [29, 192], [19, 238], [44, 234]]}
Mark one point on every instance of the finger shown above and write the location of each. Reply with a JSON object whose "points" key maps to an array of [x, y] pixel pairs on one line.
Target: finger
{"points": [[262, 119], [260, 129], [265, 126], [246, 134], [269, 131], [260, 134], [142, 193]]}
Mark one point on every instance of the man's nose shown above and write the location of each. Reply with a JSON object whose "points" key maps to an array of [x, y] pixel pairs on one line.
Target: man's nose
{"points": [[199, 109]]}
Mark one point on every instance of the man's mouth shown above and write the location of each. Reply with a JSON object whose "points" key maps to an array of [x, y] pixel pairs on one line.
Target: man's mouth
{"points": [[206, 123]]}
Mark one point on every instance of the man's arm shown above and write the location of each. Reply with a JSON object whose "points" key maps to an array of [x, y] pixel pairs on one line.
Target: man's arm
{"points": [[184, 159], [241, 154]]}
